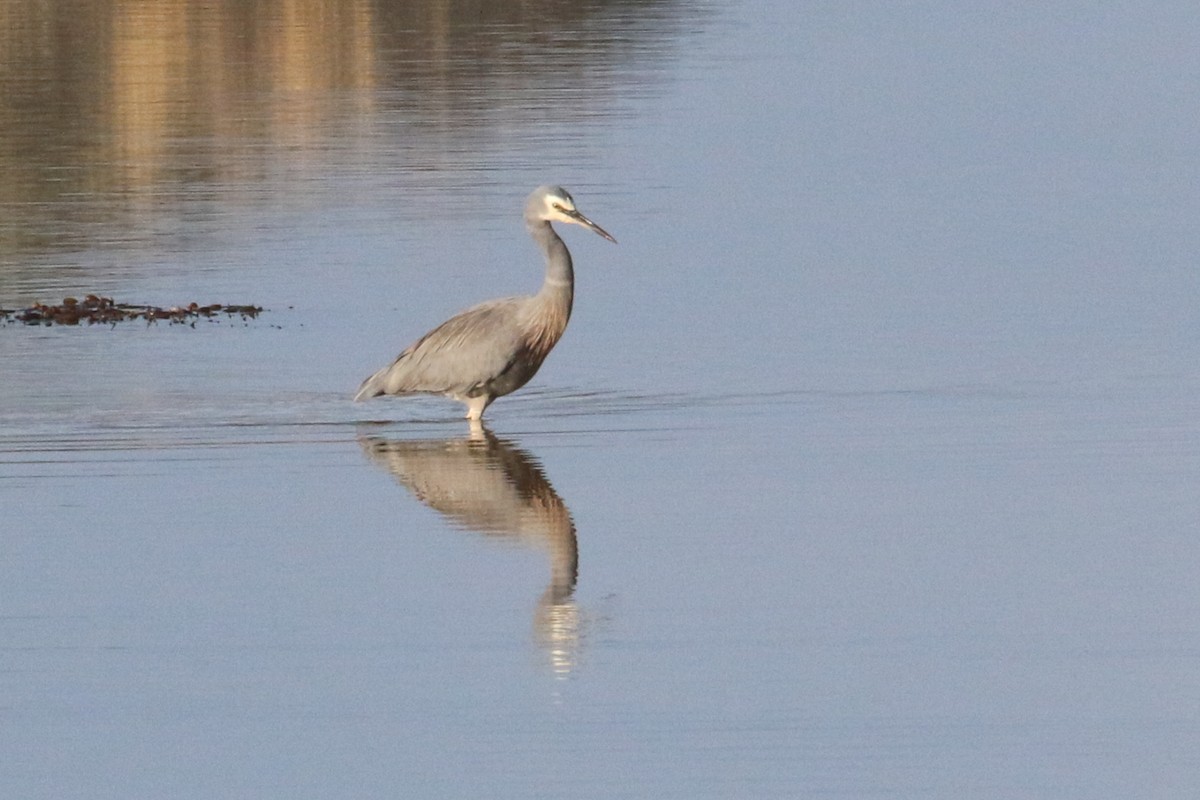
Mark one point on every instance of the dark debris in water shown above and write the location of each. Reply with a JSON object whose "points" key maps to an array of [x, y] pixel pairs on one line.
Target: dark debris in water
{"points": [[94, 310]]}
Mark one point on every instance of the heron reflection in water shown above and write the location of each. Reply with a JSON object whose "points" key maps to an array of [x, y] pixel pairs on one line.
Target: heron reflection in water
{"points": [[486, 484]]}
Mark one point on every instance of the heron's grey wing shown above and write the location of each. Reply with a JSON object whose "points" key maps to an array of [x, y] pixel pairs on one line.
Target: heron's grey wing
{"points": [[464, 352]]}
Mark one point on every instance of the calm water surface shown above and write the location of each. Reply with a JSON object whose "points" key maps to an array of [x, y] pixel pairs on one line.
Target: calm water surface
{"points": [[869, 465]]}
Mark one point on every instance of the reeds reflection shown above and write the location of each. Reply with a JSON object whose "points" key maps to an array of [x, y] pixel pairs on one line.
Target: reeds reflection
{"points": [[489, 485], [112, 109]]}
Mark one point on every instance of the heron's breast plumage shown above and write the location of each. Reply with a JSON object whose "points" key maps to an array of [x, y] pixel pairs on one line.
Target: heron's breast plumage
{"points": [[545, 326]]}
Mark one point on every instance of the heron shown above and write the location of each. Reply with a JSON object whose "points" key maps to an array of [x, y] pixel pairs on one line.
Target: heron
{"points": [[496, 347]]}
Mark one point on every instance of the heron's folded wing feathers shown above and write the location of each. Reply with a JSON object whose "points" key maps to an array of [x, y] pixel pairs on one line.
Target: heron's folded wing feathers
{"points": [[465, 351]]}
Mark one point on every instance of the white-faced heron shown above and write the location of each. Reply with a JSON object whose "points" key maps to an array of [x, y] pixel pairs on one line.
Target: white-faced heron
{"points": [[494, 348]]}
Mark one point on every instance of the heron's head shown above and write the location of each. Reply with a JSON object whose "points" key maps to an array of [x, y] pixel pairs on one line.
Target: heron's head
{"points": [[555, 204]]}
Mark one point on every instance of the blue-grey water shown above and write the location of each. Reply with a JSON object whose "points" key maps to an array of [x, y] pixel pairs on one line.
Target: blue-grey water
{"points": [[869, 465]]}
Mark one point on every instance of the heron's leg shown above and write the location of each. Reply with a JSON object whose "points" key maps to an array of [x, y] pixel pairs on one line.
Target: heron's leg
{"points": [[476, 405]]}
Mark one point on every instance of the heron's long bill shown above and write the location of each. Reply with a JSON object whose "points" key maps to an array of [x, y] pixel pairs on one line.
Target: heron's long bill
{"points": [[587, 223]]}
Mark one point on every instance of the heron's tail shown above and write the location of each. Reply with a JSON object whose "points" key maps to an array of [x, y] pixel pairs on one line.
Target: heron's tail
{"points": [[372, 386]]}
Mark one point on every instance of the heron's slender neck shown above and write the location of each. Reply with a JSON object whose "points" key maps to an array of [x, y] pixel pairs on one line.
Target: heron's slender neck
{"points": [[559, 284]]}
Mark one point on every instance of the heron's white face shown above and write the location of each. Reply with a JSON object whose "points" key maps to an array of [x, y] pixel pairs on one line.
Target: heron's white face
{"points": [[560, 208]]}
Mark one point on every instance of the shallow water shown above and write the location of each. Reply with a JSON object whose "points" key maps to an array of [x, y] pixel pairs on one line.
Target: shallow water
{"points": [[867, 466]]}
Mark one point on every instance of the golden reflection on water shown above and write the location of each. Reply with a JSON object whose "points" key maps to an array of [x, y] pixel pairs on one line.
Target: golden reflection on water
{"points": [[488, 485], [103, 103], [178, 70]]}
